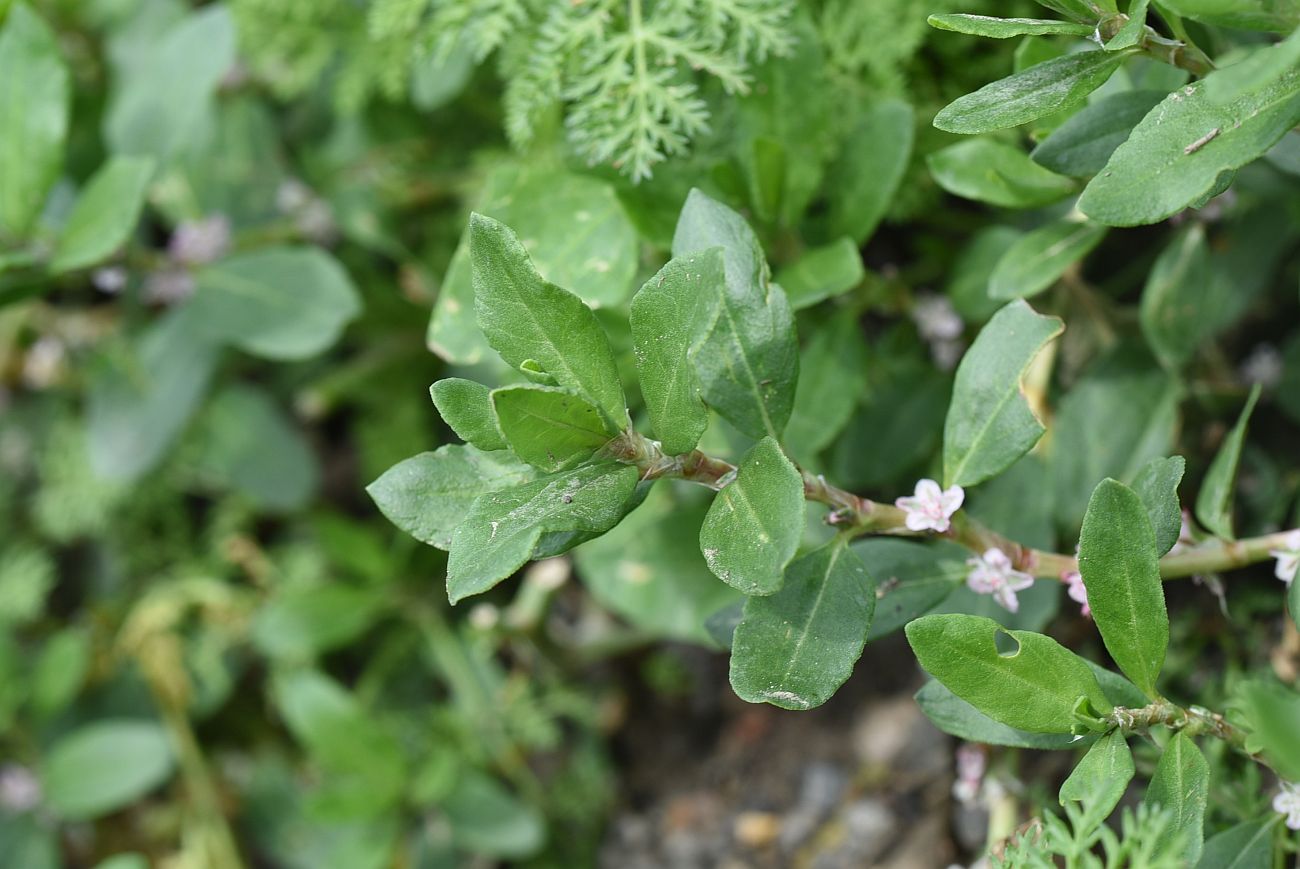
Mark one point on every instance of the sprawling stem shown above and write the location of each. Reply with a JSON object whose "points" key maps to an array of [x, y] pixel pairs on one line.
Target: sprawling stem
{"points": [[858, 516], [1193, 721]]}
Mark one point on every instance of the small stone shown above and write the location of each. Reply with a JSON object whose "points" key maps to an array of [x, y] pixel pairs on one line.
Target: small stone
{"points": [[757, 829]]}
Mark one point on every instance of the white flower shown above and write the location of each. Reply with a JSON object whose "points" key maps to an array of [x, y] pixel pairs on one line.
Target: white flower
{"points": [[930, 508], [935, 317], [971, 763], [1074, 587], [1288, 558], [1287, 802], [992, 573], [196, 242]]}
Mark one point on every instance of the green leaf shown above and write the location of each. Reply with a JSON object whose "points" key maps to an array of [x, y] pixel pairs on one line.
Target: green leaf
{"points": [[668, 320], [862, 183], [1261, 67], [1038, 258], [832, 376], [1181, 150], [989, 423], [1005, 28], [162, 101], [527, 319], [795, 648], [753, 527], [297, 624], [1157, 485], [822, 273], [1114, 420], [104, 215], [575, 230], [749, 359], [913, 578], [34, 105], [1035, 688], [640, 570], [487, 819], [1269, 712], [365, 768], [1130, 35], [428, 495], [276, 302], [105, 766], [1214, 501], [1245, 846], [1178, 287], [1102, 776], [956, 717], [249, 445], [1181, 784], [1084, 11], [140, 402], [550, 428], [996, 173], [1121, 570], [60, 670], [466, 406], [1040, 90], [124, 861], [502, 529], [1281, 16], [1081, 146], [1293, 602]]}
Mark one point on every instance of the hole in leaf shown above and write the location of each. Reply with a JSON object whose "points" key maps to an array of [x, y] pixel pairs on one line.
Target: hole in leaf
{"points": [[1007, 645]]}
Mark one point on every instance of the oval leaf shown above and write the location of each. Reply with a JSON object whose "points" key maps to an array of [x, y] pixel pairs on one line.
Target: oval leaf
{"points": [[1121, 570], [105, 766], [748, 355], [278, 302], [753, 527], [548, 427], [1181, 784], [1040, 90], [466, 406], [990, 424], [1038, 258], [104, 215], [1036, 688], [528, 319], [503, 528], [668, 317], [1183, 147], [795, 648]]}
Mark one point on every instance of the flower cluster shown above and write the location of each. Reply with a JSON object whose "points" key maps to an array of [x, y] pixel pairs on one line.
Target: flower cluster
{"points": [[993, 573], [1288, 558], [931, 507]]}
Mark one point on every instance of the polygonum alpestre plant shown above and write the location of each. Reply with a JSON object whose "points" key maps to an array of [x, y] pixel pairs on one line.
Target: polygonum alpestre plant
{"points": [[556, 460], [561, 455]]}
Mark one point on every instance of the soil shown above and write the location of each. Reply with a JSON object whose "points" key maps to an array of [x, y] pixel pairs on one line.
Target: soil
{"points": [[712, 781]]}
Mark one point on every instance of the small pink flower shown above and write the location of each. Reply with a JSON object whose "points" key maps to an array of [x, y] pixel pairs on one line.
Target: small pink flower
{"points": [[971, 763], [993, 573], [931, 507], [1287, 803], [1074, 588], [1288, 558]]}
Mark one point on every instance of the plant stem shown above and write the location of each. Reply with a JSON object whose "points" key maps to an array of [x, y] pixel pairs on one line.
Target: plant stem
{"points": [[859, 516], [1193, 721]]}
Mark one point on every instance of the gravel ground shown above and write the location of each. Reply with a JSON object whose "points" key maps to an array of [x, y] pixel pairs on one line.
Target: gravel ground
{"points": [[711, 781]]}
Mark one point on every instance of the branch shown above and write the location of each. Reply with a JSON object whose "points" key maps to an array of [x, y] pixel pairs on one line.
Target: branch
{"points": [[859, 516]]}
